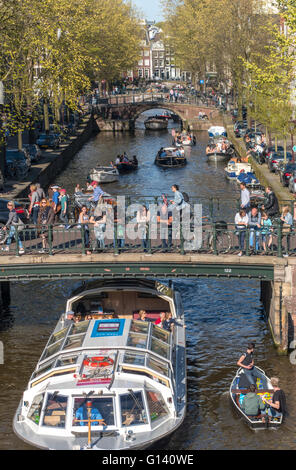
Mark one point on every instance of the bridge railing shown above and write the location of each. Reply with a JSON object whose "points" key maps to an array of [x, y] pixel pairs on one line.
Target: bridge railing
{"points": [[143, 98], [205, 238]]}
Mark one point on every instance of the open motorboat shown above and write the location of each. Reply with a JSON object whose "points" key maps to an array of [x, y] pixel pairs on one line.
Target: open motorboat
{"points": [[233, 169], [219, 149], [156, 123], [170, 157], [217, 131], [238, 391], [126, 165], [106, 380], [104, 174], [181, 140]]}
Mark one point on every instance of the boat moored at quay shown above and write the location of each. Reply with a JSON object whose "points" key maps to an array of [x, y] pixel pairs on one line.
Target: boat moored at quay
{"points": [[107, 380]]}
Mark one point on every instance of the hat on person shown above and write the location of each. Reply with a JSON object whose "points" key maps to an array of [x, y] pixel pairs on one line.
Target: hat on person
{"points": [[55, 187], [63, 191], [94, 183]]}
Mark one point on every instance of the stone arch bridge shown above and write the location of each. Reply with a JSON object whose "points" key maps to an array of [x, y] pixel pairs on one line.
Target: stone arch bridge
{"points": [[121, 112]]}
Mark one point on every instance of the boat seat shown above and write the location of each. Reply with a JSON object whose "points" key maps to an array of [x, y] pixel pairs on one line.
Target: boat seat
{"points": [[52, 420]]}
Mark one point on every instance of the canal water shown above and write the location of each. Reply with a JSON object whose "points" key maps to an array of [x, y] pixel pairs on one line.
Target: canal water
{"points": [[222, 316]]}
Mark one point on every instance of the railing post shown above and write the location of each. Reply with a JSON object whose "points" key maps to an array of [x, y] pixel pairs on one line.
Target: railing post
{"points": [[148, 235], [17, 240], [50, 239], [82, 229], [211, 208], [280, 241], [115, 239], [214, 238], [248, 241], [181, 239]]}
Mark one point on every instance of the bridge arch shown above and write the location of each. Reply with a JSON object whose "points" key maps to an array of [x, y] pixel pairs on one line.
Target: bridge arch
{"points": [[140, 109]]}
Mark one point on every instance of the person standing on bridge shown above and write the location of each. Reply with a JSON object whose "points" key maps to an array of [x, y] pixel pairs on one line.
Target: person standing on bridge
{"points": [[245, 197], [11, 224]]}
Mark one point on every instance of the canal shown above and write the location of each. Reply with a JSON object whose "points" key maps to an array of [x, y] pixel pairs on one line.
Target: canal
{"points": [[222, 316]]}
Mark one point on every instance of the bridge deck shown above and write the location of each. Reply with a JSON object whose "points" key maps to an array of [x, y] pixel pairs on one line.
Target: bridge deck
{"points": [[78, 266]]}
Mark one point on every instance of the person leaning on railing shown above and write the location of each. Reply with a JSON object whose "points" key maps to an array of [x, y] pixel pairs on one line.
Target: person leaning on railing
{"points": [[12, 223], [46, 217]]}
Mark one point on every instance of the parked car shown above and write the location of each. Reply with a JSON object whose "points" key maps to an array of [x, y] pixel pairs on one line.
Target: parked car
{"points": [[285, 171], [48, 141], [270, 151], [240, 128], [34, 152], [18, 163], [276, 159]]}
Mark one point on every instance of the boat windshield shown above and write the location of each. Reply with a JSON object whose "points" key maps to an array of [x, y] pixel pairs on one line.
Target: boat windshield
{"points": [[101, 411], [55, 410], [156, 405], [133, 411]]}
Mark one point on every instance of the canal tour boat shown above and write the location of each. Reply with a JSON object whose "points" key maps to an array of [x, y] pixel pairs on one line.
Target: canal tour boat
{"points": [[104, 174], [237, 395], [107, 380]]}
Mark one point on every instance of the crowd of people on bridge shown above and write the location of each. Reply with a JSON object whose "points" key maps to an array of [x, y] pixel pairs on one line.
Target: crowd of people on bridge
{"points": [[256, 227], [262, 222]]}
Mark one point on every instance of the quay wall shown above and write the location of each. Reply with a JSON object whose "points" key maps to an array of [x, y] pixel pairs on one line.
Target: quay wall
{"points": [[54, 161]]}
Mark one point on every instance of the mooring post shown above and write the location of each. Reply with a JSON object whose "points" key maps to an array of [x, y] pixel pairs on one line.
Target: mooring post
{"points": [[5, 293]]}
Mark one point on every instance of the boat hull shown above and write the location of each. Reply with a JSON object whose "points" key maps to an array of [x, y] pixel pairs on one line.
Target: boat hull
{"points": [[104, 176], [126, 167], [253, 422], [169, 162], [156, 125]]}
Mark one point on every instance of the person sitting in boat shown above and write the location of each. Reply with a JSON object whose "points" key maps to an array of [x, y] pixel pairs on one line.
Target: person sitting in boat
{"points": [[125, 158], [246, 362], [117, 161], [277, 406], [160, 321], [252, 404], [135, 160], [142, 315], [81, 414]]}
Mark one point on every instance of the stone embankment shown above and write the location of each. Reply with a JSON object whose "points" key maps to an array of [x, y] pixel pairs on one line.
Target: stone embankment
{"points": [[52, 162]]}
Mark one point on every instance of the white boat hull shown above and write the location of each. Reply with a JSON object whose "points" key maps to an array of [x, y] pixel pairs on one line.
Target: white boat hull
{"points": [[104, 175]]}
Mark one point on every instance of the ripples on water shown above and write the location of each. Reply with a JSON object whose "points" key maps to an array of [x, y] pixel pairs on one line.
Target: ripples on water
{"points": [[222, 316]]}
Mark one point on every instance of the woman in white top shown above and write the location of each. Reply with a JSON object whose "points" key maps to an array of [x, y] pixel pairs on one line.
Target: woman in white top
{"points": [[143, 218], [241, 222]]}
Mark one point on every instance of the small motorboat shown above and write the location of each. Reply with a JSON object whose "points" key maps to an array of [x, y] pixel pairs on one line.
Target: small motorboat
{"points": [[105, 380], [156, 123], [170, 157], [238, 391], [217, 131], [219, 149], [104, 174], [233, 169], [126, 166], [184, 140]]}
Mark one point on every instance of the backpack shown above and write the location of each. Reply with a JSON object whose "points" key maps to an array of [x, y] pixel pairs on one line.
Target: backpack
{"points": [[185, 197]]}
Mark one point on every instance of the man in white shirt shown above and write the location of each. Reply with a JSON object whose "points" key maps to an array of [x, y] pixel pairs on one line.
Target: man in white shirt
{"points": [[245, 197]]}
